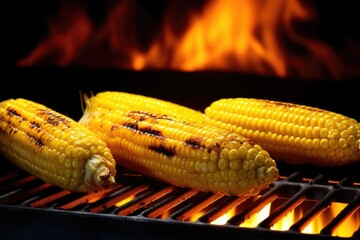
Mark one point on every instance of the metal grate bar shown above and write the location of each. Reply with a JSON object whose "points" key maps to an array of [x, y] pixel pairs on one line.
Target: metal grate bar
{"points": [[350, 209], [145, 201]]}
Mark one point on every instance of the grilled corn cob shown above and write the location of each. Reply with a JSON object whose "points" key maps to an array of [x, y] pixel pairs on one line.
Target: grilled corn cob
{"points": [[130, 101], [290, 132], [54, 147], [182, 153]]}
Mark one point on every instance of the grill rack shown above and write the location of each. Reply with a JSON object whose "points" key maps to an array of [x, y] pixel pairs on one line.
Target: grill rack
{"points": [[141, 202]]}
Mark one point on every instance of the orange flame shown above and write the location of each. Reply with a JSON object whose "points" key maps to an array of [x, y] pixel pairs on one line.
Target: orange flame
{"points": [[252, 36], [345, 229]]}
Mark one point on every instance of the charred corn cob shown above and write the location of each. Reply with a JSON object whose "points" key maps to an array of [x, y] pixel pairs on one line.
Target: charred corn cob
{"points": [[130, 101], [183, 153], [54, 147], [293, 133]]}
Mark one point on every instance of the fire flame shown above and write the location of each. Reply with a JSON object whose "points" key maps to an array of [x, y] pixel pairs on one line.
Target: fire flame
{"points": [[252, 36], [346, 229]]}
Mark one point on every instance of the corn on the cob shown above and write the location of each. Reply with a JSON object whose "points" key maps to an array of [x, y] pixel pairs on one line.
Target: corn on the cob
{"points": [[130, 101], [54, 147], [183, 153], [290, 132]]}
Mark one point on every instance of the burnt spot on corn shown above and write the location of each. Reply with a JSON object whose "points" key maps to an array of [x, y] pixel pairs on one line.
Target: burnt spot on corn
{"points": [[151, 131], [215, 147], [167, 151], [13, 113], [142, 115], [53, 118], [35, 125], [194, 142], [35, 140], [132, 126]]}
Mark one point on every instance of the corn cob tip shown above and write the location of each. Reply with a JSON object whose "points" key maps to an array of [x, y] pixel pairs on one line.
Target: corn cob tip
{"points": [[98, 174]]}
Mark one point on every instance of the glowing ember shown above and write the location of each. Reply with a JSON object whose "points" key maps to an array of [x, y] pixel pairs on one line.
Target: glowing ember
{"points": [[252, 36], [345, 229], [124, 201]]}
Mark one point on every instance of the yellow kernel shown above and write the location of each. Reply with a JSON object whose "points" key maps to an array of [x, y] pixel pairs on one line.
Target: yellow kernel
{"points": [[324, 133], [197, 166], [225, 175], [233, 187], [345, 134], [273, 138], [309, 143], [282, 128], [316, 132], [264, 153], [303, 142], [210, 177], [204, 155], [224, 154], [302, 130], [343, 143], [233, 154], [334, 134], [236, 164], [348, 151], [249, 165], [234, 144], [62, 158], [242, 152], [334, 143], [223, 186], [223, 164], [217, 176], [339, 152], [329, 123], [203, 167], [242, 174], [259, 160], [68, 173], [257, 134], [309, 132], [234, 175], [269, 163], [212, 166], [67, 163], [324, 143], [251, 174], [292, 141], [244, 185], [257, 147], [251, 154], [316, 143], [213, 156], [208, 143], [351, 140]]}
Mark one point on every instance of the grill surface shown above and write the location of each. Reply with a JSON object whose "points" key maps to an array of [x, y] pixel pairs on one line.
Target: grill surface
{"points": [[138, 200], [140, 207]]}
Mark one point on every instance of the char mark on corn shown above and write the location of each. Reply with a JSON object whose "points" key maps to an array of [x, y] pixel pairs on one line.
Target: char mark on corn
{"points": [[167, 151], [54, 147], [182, 152], [195, 143]]}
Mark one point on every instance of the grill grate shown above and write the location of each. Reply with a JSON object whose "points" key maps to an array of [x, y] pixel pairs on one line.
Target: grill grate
{"points": [[141, 198]]}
